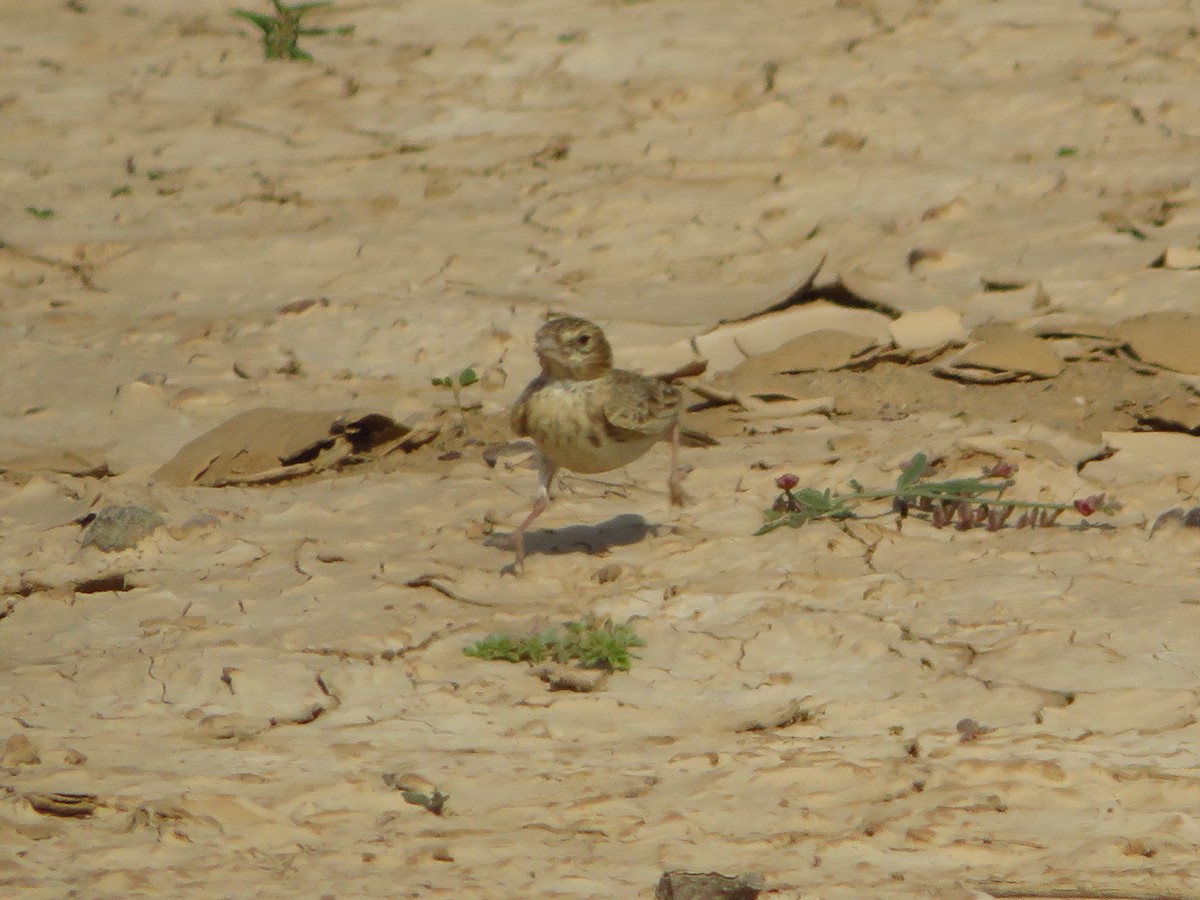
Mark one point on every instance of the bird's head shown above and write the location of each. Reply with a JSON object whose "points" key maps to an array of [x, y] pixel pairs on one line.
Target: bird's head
{"points": [[573, 348]]}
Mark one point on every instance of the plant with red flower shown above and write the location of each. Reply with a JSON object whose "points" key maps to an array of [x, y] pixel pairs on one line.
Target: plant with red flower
{"points": [[965, 503]]}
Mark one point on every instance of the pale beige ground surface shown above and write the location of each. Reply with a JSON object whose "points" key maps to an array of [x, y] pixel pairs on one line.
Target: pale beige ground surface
{"points": [[444, 177]]}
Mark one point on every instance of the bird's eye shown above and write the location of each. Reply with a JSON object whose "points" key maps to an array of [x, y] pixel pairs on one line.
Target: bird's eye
{"points": [[583, 340]]}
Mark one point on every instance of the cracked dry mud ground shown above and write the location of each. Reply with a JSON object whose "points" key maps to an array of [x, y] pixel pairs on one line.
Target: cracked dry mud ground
{"points": [[851, 710], [794, 711]]}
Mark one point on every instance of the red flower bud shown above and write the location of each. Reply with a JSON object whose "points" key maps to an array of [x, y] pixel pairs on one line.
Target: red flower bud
{"points": [[786, 482], [1000, 470], [1087, 506]]}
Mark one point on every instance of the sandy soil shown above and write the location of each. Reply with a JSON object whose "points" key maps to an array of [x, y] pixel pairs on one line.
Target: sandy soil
{"points": [[1002, 201]]}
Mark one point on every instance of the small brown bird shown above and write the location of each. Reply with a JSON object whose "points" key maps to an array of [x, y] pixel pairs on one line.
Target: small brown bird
{"points": [[588, 417]]}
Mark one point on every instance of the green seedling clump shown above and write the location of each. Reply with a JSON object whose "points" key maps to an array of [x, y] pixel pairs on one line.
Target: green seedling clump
{"points": [[594, 644], [281, 32]]}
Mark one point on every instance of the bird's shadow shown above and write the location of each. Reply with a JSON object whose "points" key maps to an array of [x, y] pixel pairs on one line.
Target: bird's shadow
{"points": [[619, 531]]}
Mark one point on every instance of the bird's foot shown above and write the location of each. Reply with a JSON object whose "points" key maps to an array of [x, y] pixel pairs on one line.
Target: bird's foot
{"points": [[675, 490]]}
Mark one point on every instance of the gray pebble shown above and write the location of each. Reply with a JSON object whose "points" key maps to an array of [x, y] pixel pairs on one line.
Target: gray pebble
{"points": [[120, 527]]}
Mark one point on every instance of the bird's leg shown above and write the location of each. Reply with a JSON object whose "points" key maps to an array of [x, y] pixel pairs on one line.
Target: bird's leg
{"points": [[675, 479], [546, 470]]}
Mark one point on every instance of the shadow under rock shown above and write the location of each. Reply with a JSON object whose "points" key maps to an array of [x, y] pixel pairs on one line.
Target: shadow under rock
{"points": [[619, 531]]}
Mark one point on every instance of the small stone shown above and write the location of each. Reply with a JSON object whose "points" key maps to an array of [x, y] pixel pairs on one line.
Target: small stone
{"points": [[19, 751], [230, 727], [120, 527], [969, 730], [569, 678], [607, 573], [417, 790]]}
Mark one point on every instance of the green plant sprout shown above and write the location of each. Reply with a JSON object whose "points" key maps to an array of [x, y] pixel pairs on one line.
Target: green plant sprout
{"points": [[595, 644], [281, 33], [963, 502], [456, 383]]}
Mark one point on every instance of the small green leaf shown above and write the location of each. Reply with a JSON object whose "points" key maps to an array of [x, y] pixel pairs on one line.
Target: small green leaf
{"points": [[467, 377], [916, 468], [1133, 232], [497, 647], [40, 212], [301, 8], [819, 501], [266, 23]]}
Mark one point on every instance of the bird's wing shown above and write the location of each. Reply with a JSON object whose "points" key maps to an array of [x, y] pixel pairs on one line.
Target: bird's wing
{"points": [[519, 415], [642, 405]]}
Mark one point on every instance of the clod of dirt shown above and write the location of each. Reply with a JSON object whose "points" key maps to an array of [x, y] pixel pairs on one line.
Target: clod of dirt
{"points": [[706, 886], [103, 584], [19, 751], [69, 806], [1001, 355], [269, 445], [1165, 340], [771, 718], [1179, 517], [1174, 413], [607, 573]]}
